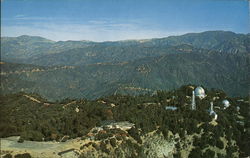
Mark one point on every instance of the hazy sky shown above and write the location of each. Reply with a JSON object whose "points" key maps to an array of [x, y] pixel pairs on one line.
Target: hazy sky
{"points": [[101, 20]]}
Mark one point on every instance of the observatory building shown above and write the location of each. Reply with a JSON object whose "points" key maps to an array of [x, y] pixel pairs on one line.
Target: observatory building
{"points": [[173, 108], [200, 92], [225, 103], [238, 109], [212, 112]]}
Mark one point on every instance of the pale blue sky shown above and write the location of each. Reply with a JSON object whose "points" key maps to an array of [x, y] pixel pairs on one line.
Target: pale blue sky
{"points": [[102, 20]]}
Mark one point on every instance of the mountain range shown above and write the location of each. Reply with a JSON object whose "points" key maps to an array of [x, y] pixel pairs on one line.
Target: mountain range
{"points": [[77, 69]]}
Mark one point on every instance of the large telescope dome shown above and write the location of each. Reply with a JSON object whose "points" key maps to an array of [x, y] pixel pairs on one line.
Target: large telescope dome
{"points": [[200, 92]]}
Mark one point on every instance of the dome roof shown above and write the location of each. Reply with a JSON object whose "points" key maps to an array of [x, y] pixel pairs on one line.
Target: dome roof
{"points": [[200, 92], [226, 103], [214, 114], [238, 108]]}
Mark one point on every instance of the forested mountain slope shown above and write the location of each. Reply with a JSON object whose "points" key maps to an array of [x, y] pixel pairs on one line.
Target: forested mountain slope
{"points": [[213, 70], [154, 131]]}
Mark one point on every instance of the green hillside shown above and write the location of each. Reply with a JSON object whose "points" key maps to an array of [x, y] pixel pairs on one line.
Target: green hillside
{"points": [[184, 132]]}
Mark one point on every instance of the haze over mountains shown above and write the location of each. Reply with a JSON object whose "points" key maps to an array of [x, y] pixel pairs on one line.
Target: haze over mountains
{"points": [[77, 69]]}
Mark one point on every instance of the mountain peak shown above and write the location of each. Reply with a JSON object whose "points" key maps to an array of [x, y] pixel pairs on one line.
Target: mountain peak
{"points": [[32, 38]]}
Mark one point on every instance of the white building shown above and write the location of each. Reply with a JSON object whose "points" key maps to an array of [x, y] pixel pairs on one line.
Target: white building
{"points": [[212, 112], [173, 108], [226, 103], [200, 92], [123, 125]]}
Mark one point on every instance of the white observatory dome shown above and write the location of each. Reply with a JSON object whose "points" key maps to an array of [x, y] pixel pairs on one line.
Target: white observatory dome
{"points": [[238, 108], [199, 92], [226, 103], [212, 113]]}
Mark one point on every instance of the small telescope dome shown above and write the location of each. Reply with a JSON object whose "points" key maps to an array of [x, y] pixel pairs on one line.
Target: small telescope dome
{"points": [[225, 103]]}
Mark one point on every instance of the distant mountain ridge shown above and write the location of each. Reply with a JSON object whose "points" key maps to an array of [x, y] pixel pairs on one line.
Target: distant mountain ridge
{"points": [[26, 49]]}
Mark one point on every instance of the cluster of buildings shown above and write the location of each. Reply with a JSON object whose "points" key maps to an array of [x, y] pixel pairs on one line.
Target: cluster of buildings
{"points": [[199, 92]]}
